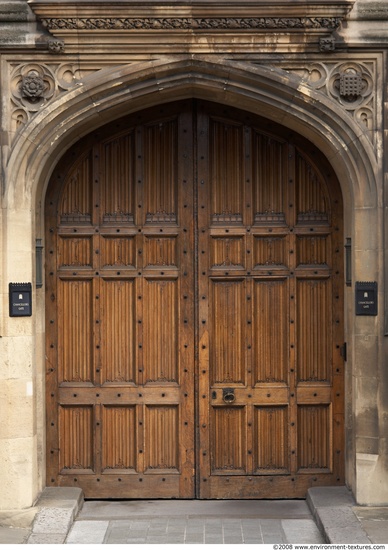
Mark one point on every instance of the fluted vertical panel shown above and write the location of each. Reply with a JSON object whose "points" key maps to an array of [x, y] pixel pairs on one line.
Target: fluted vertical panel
{"points": [[160, 167], [228, 252], [74, 251], [227, 168], [118, 251], [269, 169], [161, 445], [269, 251], [77, 194], [271, 437], [76, 437], [75, 334], [117, 331], [160, 251], [228, 329], [228, 440], [119, 438], [118, 182], [310, 196], [313, 250], [314, 437], [160, 328], [314, 330], [270, 331]]}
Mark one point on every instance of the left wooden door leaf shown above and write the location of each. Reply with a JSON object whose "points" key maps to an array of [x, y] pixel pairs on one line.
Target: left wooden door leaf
{"points": [[120, 319]]}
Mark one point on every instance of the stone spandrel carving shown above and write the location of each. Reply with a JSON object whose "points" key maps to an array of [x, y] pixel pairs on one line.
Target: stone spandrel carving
{"points": [[34, 85], [351, 84]]}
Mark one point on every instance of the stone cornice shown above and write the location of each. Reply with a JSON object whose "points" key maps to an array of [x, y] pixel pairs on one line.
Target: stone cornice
{"points": [[108, 26]]}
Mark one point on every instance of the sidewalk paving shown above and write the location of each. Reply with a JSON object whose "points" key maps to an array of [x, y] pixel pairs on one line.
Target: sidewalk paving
{"points": [[195, 522], [329, 515]]}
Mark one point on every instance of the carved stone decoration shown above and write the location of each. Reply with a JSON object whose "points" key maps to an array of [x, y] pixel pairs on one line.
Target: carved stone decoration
{"points": [[191, 23], [32, 86], [327, 44], [352, 84], [56, 46]]}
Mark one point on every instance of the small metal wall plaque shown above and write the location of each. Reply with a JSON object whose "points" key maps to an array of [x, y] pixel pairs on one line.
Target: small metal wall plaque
{"points": [[20, 299], [366, 298]]}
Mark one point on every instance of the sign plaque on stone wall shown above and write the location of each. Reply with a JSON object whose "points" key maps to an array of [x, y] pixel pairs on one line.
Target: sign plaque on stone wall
{"points": [[20, 299], [366, 298]]}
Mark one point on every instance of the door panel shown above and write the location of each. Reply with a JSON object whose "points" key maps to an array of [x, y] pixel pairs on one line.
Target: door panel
{"points": [[121, 383], [269, 260], [195, 310]]}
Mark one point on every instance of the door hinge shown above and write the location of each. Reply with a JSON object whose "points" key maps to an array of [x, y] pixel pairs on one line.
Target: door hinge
{"points": [[343, 351]]}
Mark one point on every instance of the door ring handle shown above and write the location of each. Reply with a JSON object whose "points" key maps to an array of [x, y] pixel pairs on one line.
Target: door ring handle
{"points": [[228, 395]]}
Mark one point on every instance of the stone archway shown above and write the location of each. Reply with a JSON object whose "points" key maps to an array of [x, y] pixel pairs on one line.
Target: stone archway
{"points": [[286, 100]]}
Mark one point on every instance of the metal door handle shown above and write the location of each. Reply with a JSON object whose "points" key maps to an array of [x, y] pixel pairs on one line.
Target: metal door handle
{"points": [[228, 395]]}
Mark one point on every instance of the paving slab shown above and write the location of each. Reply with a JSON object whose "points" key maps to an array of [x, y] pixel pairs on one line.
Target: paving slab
{"points": [[301, 531], [87, 532], [13, 535], [374, 521], [46, 538]]}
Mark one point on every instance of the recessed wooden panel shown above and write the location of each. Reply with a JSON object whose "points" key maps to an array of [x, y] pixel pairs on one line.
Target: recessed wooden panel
{"points": [[269, 161], [270, 331], [118, 251], [118, 179], [312, 250], [314, 330], [75, 344], [117, 325], [314, 437], [160, 172], [228, 441], [76, 203], [160, 325], [310, 196], [119, 438], [160, 251], [228, 322], [227, 171], [76, 436], [75, 252], [227, 252], [270, 251], [161, 444], [271, 449]]}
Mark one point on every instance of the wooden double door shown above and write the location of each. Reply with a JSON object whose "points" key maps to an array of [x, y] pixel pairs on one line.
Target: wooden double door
{"points": [[194, 310]]}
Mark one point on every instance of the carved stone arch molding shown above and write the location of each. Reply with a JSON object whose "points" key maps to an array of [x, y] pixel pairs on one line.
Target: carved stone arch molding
{"points": [[110, 93]]}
